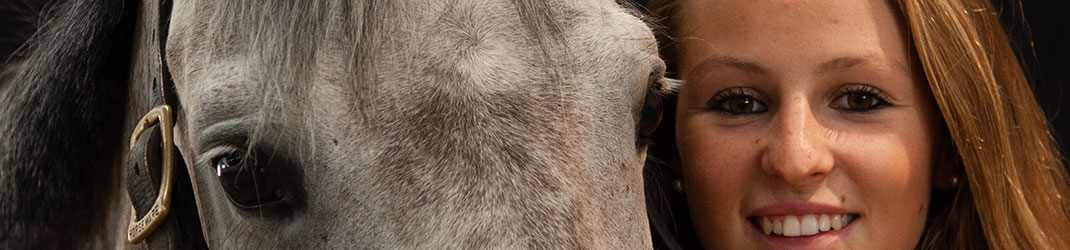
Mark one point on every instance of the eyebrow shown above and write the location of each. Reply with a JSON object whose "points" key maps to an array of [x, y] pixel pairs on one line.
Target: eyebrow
{"points": [[838, 63], [845, 62], [841, 63], [732, 62]]}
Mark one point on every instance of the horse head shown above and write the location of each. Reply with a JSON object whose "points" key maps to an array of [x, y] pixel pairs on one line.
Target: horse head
{"points": [[382, 124]]}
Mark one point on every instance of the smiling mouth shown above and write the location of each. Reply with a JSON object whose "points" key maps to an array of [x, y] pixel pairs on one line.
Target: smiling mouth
{"points": [[801, 225]]}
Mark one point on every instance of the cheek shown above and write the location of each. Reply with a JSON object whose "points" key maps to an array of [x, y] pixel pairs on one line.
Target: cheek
{"points": [[891, 170], [894, 163], [716, 165], [891, 175], [714, 159]]}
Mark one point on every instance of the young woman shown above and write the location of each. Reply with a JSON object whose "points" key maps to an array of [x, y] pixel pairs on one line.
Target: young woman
{"points": [[859, 124]]}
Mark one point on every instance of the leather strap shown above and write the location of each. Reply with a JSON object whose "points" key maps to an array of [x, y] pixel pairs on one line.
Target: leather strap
{"points": [[142, 172], [181, 228]]}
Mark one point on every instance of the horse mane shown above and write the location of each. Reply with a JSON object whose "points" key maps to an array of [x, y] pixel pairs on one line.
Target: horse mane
{"points": [[61, 110], [22, 19]]}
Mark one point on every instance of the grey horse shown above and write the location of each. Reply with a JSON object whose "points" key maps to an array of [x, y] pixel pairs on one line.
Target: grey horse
{"points": [[375, 124]]}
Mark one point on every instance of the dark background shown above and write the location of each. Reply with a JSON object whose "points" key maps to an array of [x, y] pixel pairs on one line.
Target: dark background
{"points": [[1040, 30], [1042, 38]]}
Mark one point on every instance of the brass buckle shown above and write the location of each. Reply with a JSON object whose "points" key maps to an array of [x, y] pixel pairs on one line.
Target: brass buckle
{"points": [[139, 229]]}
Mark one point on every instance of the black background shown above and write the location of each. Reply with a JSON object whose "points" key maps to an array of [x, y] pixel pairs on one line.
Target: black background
{"points": [[1047, 62]]}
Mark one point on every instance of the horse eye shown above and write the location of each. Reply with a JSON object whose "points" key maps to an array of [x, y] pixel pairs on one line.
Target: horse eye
{"points": [[245, 183], [650, 116]]}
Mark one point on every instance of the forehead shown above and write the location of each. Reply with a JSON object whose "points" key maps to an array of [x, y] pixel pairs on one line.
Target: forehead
{"points": [[232, 29], [231, 55], [782, 15], [803, 28]]}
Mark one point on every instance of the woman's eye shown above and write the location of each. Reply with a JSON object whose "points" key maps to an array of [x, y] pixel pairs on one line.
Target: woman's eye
{"points": [[246, 184], [860, 99], [741, 105], [737, 101]]}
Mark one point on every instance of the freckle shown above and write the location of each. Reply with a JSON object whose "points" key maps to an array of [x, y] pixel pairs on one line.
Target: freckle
{"points": [[843, 199], [756, 141]]}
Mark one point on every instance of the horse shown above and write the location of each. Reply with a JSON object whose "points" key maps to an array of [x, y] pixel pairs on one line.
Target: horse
{"points": [[371, 124]]}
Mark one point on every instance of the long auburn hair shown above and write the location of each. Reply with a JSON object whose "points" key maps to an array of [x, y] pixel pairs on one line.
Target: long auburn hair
{"points": [[1016, 181], [1014, 191]]}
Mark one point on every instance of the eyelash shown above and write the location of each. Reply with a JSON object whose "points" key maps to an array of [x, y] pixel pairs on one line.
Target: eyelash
{"points": [[879, 96], [720, 101]]}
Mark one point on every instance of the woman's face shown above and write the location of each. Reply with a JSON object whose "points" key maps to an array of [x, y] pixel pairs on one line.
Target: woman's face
{"points": [[802, 125]]}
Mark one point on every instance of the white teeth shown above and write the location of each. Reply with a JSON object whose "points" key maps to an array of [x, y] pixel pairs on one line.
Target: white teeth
{"points": [[767, 226], [791, 226], [824, 223], [808, 225], [804, 225], [837, 221]]}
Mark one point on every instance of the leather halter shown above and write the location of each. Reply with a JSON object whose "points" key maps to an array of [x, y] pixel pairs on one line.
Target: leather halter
{"points": [[154, 163]]}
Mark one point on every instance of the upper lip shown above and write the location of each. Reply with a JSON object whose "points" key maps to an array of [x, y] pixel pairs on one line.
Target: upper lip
{"points": [[798, 208]]}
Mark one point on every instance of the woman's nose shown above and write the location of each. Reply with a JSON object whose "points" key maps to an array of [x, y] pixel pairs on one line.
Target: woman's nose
{"points": [[796, 152]]}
